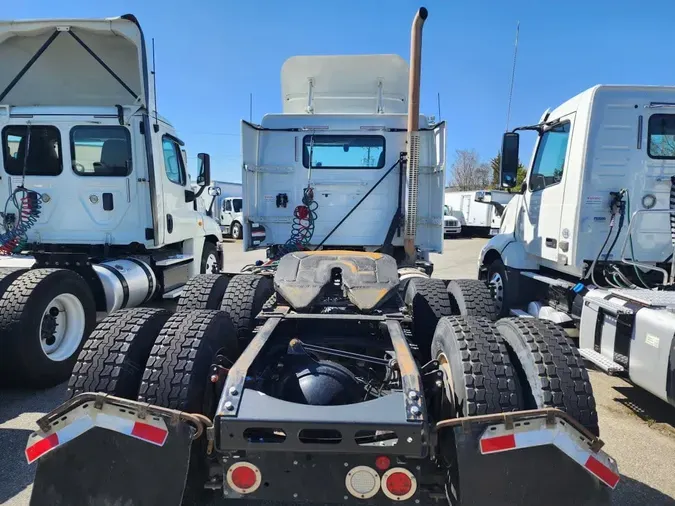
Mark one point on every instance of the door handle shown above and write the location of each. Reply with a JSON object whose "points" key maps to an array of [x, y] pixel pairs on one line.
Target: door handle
{"points": [[551, 243], [169, 223]]}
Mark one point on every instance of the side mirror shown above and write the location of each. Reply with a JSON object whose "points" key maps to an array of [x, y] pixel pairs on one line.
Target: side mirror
{"points": [[204, 169], [483, 196], [214, 191], [508, 169]]}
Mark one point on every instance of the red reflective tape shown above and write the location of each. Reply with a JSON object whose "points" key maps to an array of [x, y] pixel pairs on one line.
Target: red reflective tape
{"points": [[499, 443], [41, 447], [149, 433], [602, 471]]}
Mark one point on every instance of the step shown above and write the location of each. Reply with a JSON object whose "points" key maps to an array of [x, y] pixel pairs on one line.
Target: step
{"points": [[549, 281], [173, 294], [604, 363], [172, 260]]}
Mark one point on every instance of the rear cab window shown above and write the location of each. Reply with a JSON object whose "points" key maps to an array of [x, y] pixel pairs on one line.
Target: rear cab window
{"points": [[343, 151], [661, 136], [33, 150], [101, 151]]}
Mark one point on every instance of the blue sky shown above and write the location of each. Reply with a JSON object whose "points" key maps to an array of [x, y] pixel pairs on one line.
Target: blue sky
{"points": [[212, 53]]}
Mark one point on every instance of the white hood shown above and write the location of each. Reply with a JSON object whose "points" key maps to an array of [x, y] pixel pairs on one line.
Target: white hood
{"points": [[66, 74]]}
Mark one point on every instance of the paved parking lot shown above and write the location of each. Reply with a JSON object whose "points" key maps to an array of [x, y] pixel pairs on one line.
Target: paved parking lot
{"points": [[638, 429]]}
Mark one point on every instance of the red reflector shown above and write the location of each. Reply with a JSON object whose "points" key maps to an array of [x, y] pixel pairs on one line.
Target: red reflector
{"points": [[149, 433], [602, 471], [398, 483], [41, 447], [499, 443], [382, 463], [244, 477]]}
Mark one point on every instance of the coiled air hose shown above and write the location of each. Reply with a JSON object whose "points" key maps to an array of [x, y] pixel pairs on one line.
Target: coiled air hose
{"points": [[302, 227], [29, 206]]}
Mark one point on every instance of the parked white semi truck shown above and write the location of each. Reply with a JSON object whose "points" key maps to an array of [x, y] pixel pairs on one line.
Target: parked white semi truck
{"points": [[588, 243], [338, 371], [225, 205], [97, 210]]}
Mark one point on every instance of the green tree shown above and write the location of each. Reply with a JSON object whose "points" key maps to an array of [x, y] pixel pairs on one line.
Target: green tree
{"points": [[494, 167]]}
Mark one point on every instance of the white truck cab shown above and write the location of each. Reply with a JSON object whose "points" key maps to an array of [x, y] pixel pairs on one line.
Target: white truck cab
{"points": [[95, 189], [231, 216], [588, 243], [328, 171], [451, 225]]}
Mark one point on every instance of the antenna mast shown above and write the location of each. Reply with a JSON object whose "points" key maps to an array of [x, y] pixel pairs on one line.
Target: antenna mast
{"points": [[154, 84], [250, 107], [438, 98], [513, 76]]}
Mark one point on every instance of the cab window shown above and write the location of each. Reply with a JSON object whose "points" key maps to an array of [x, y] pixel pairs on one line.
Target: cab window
{"points": [[343, 151], [101, 151], [173, 161], [33, 151], [549, 162], [227, 205], [661, 136]]}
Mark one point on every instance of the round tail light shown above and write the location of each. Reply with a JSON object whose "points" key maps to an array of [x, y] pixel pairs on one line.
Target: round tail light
{"points": [[362, 482], [399, 484], [244, 477]]}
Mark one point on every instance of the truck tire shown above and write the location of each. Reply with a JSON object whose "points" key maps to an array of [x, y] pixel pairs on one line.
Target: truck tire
{"points": [[209, 262], [7, 277], [504, 289], [235, 230], [177, 377], [482, 379], [552, 367], [428, 301], [244, 298], [45, 317], [471, 297], [114, 357], [204, 291]]}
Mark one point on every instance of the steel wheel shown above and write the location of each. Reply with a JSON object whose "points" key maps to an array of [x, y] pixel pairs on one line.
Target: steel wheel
{"points": [[211, 263], [236, 231], [497, 287], [62, 327]]}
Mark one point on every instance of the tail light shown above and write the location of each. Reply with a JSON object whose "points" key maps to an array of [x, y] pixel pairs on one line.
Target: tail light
{"points": [[244, 477], [363, 482], [399, 484]]}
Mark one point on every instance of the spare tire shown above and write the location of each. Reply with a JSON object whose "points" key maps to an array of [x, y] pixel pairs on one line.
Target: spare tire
{"points": [[114, 357], [552, 367]]}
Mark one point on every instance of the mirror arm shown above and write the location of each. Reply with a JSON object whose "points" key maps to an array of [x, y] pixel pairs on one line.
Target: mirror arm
{"points": [[200, 191]]}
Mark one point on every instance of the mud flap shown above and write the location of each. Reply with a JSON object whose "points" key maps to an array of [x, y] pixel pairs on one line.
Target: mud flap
{"points": [[527, 476], [103, 468]]}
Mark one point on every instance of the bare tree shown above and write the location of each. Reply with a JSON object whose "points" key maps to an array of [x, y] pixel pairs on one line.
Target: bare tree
{"points": [[468, 173]]}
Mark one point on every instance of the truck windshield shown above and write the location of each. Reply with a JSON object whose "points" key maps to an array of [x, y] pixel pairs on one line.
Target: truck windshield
{"points": [[39, 153], [344, 151], [446, 211]]}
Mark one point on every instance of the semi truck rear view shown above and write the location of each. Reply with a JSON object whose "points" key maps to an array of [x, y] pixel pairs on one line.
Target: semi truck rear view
{"points": [[337, 371]]}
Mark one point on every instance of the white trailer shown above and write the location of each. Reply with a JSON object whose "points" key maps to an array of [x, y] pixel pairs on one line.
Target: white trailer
{"points": [[479, 212], [589, 241], [98, 210]]}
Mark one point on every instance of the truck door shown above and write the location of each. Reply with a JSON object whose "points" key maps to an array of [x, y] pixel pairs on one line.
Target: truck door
{"points": [[466, 209], [543, 199], [180, 219], [226, 213]]}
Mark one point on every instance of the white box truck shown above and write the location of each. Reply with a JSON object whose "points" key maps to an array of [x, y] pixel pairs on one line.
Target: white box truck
{"points": [[479, 212]]}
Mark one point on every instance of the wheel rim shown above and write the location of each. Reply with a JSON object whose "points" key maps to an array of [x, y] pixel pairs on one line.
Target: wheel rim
{"points": [[211, 263], [497, 288], [235, 231], [448, 384], [62, 327]]}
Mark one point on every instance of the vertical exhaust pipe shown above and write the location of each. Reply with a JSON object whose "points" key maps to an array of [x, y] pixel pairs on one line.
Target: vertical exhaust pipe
{"points": [[413, 135]]}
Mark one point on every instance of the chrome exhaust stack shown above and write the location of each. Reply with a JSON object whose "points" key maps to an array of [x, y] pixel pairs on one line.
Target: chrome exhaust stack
{"points": [[413, 135]]}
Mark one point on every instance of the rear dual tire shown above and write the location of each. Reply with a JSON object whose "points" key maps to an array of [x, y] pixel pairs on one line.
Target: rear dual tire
{"points": [[45, 317]]}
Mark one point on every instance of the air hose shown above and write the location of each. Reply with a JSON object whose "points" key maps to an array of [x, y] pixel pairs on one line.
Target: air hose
{"points": [[29, 206], [302, 227]]}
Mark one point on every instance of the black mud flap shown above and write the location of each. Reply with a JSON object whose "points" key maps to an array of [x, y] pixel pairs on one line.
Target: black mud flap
{"points": [[525, 477], [106, 468]]}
